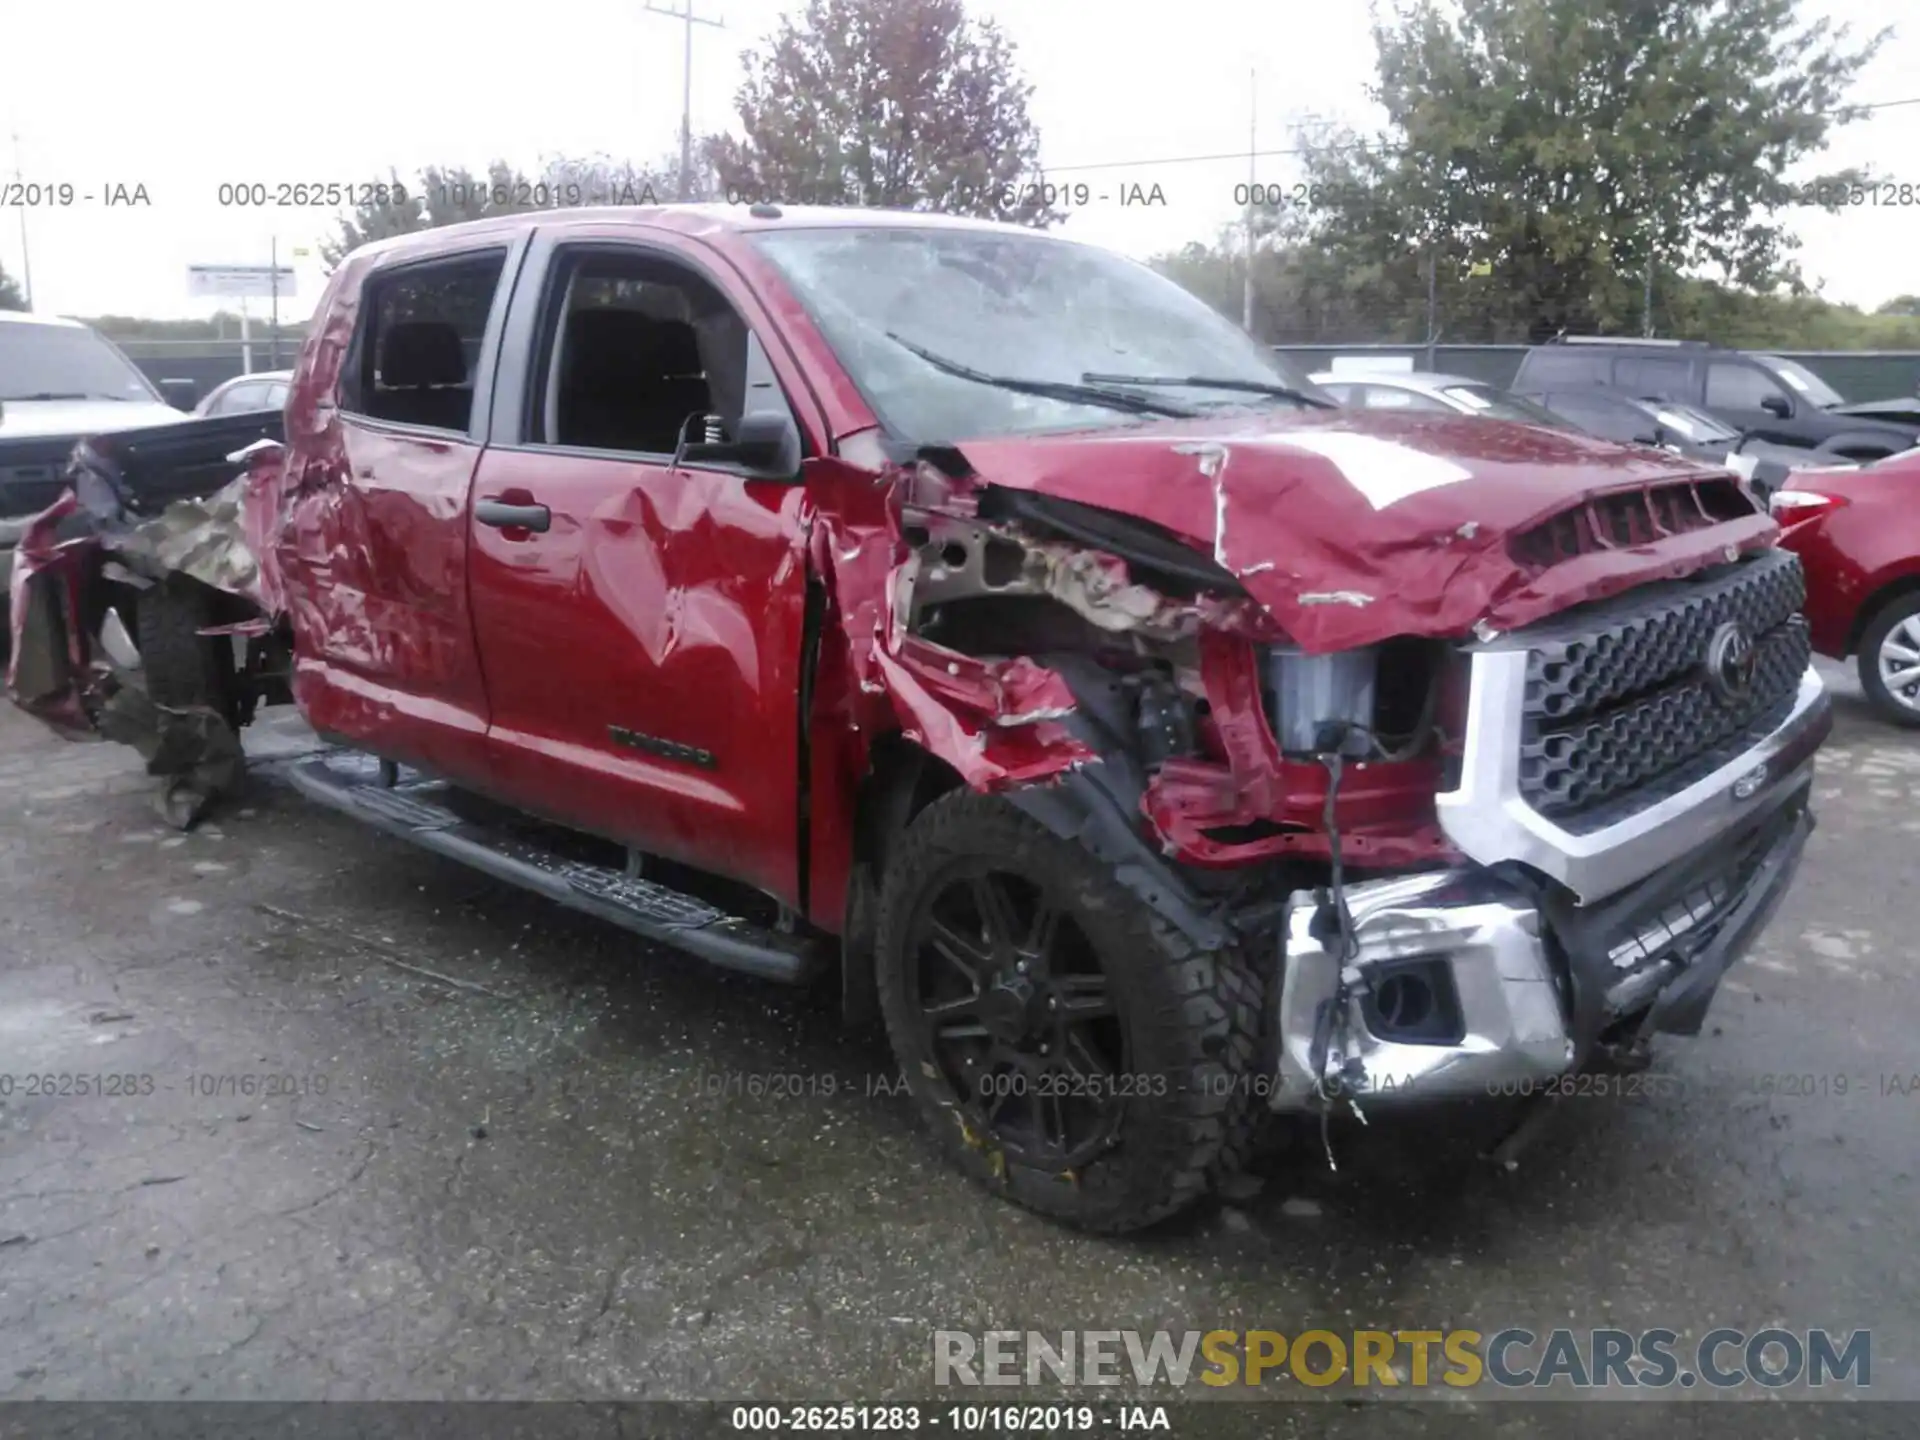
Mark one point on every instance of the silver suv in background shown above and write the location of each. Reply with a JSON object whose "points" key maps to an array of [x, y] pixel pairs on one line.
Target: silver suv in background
{"points": [[1435, 392], [61, 380]]}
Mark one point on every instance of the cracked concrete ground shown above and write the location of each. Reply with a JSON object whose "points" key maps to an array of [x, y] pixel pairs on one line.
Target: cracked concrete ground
{"points": [[325, 1175]]}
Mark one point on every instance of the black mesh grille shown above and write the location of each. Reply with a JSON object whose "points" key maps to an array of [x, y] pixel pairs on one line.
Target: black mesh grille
{"points": [[1619, 710]]}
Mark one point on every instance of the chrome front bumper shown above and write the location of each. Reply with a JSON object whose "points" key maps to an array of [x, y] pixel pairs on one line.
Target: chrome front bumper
{"points": [[1573, 941], [1511, 1023]]}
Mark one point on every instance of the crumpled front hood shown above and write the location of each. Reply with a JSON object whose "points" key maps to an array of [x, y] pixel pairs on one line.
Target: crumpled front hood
{"points": [[22, 418], [1352, 528]]}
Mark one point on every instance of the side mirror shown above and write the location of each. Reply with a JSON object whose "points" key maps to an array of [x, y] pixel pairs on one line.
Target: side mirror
{"points": [[766, 445], [766, 442], [1656, 438], [181, 394], [1776, 405]]}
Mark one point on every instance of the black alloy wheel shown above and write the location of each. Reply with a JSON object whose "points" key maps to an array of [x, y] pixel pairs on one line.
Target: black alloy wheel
{"points": [[1067, 1045], [1018, 1014]]}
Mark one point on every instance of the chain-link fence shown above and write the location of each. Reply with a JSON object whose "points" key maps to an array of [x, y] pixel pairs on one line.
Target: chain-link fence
{"points": [[1856, 374], [207, 363]]}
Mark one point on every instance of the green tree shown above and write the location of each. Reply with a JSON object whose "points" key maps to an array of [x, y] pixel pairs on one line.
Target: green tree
{"points": [[395, 208], [1901, 305], [1300, 300], [10, 296], [904, 104], [1542, 154]]}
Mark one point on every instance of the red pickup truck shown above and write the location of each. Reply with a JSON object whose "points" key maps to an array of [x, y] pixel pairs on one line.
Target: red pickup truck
{"points": [[975, 616]]}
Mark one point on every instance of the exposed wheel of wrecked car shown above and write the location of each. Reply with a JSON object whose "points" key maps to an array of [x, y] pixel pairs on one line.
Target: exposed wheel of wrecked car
{"points": [[1890, 661], [184, 669], [1069, 1048]]}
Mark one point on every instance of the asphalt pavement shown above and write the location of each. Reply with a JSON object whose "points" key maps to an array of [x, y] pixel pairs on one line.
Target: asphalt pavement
{"points": [[380, 1128]]}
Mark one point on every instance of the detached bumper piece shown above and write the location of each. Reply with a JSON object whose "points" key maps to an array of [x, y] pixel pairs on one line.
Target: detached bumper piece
{"points": [[406, 804], [1462, 984]]}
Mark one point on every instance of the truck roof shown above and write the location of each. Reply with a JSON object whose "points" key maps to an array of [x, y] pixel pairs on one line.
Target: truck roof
{"points": [[703, 220], [22, 317]]}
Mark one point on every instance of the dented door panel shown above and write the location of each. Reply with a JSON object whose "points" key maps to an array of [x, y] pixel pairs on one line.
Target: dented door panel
{"points": [[386, 654], [372, 542], [643, 656]]}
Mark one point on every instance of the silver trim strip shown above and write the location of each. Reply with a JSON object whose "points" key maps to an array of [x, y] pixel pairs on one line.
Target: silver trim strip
{"points": [[1490, 822]]}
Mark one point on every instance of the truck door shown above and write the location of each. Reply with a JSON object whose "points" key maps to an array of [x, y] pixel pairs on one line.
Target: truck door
{"points": [[1748, 398], [640, 622], [385, 645]]}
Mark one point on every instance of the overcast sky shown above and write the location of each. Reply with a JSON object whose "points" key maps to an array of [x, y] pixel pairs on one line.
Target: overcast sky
{"points": [[179, 98]]}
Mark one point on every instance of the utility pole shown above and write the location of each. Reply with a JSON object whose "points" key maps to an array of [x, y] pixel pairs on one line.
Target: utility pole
{"points": [[1646, 293], [1646, 300], [1253, 151], [1433, 301], [273, 279], [26, 260], [689, 20]]}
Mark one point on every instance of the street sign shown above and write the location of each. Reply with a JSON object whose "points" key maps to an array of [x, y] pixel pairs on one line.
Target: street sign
{"points": [[241, 281]]}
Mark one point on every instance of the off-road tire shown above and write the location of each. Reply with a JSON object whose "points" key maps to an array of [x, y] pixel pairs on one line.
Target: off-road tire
{"points": [[1867, 660], [184, 670], [1259, 1141], [1191, 1016]]}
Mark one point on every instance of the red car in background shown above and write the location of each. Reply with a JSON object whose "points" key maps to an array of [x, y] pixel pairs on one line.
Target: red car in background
{"points": [[1858, 538]]}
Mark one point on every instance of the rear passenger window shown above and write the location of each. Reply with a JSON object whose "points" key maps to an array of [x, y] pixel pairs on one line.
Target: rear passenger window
{"points": [[1544, 367], [1653, 377], [419, 342]]}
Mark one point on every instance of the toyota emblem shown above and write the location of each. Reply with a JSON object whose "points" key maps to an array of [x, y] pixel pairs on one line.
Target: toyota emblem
{"points": [[1731, 661]]}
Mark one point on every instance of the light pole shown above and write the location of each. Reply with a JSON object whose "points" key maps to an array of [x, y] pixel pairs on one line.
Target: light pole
{"points": [[26, 260], [689, 20], [1253, 169]]}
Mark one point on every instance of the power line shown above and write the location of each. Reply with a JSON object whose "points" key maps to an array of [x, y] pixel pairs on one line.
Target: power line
{"points": [[1347, 145]]}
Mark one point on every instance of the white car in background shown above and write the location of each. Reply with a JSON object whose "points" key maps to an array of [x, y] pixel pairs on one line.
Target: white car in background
{"points": [[244, 394], [1434, 392]]}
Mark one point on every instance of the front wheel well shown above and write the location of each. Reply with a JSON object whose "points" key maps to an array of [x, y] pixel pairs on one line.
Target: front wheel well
{"points": [[1870, 608], [902, 780]]}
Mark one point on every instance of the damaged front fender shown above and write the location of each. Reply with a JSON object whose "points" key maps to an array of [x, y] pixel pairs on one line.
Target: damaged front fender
{"points": [[1021, 640]]}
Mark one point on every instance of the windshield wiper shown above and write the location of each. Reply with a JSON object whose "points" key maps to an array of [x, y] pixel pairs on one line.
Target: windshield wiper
{"points": [[1215, 382], [1049, 389], [62, 395]]}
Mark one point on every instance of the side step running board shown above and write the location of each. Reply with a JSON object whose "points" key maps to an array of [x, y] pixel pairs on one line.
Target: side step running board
{"points": [[411, 809]]}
